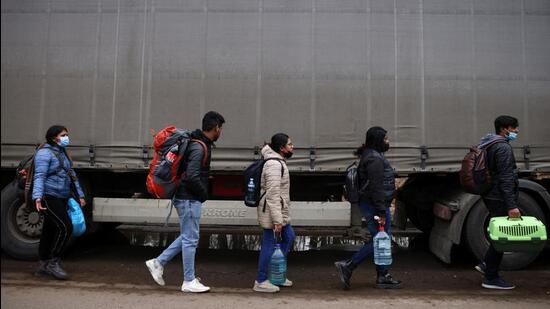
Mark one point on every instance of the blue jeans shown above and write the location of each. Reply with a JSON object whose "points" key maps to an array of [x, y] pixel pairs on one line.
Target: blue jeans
{"points": [[189, 212], [368, 211], [268, 244]]}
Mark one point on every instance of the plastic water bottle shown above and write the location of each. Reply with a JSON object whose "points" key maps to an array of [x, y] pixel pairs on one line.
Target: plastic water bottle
{"points": [[251, 192], [382, 247], [277, 266], [172, 154]]}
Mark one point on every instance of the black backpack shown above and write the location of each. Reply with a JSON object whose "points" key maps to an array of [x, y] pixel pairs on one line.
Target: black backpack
{"points": [[253, 175], [352, 192]]}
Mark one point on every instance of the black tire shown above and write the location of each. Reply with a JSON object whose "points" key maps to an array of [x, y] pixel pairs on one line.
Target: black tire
{"points": [[476, 233], [420, 217], [21, 227]]}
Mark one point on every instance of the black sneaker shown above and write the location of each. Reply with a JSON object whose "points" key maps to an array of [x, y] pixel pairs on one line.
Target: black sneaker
{"points": [[497, 284], [387, 282], [55, 269], [42, 270], [481, 268], [345, 270]]}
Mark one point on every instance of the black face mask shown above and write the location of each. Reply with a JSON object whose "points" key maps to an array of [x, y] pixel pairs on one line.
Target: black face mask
{"points": [[386, 147], [287, 155]]}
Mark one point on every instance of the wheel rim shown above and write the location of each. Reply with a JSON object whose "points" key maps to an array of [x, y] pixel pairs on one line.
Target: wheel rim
{"points": [[25, 224]]}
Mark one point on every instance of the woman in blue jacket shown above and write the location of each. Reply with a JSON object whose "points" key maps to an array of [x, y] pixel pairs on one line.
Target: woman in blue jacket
{"points": [[54, 182]]}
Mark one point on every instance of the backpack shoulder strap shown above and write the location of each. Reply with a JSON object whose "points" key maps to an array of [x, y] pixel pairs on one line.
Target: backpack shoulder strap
{"points": [[490, 159], [282, 166], [205, 151], [59, 157]]}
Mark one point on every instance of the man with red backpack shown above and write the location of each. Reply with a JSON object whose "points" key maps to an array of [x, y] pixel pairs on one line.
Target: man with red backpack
{"points": [[501, 199], [188, 199]]}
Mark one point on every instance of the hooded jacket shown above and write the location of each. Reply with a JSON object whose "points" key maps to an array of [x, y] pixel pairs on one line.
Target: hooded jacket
{"points": [[194, 185], [274, 206], [376, 176], [503, 169], [49, 177]]}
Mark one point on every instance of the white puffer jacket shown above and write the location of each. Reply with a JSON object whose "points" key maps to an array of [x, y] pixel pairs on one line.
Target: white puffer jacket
{"points": [[274, 206]]}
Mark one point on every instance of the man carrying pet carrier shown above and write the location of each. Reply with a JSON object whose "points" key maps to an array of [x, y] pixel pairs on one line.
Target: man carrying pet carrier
{"points": [[501, 199]]}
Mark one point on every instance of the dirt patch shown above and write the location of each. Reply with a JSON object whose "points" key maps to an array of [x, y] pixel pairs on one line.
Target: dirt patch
{"points": [[122, 265]]}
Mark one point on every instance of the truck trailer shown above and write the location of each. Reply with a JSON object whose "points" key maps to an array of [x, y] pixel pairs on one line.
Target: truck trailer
{"points": [[435, 74]]}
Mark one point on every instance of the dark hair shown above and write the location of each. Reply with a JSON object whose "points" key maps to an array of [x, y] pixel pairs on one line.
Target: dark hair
{"points": [[277, 141], [53, 132], [374, 139], [211, 120], [503, 122], [359, 151]]}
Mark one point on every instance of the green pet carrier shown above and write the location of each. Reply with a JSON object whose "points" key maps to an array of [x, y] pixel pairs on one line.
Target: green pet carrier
{"points": [[517, 234]]}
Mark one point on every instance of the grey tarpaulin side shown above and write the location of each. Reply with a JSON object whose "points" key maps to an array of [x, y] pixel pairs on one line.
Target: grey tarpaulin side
{"points": [[434, 73]]}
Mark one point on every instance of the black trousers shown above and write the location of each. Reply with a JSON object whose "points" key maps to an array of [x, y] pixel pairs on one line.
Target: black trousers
{"points": [[493, 258], [57, 228]]}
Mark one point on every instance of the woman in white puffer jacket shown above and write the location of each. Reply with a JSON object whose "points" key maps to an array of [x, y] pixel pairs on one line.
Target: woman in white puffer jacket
{"points": [[273, 209]]}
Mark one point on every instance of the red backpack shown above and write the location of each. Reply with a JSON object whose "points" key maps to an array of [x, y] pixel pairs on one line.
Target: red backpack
{"points": [[169, 145], [474, 174]]}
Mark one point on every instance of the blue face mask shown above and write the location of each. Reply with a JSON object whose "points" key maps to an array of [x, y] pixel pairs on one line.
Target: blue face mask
{"points": [[512, 136], [64, 141]]}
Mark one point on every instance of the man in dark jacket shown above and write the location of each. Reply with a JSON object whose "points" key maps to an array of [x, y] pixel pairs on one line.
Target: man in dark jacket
{"points": [[377, 183], [188, 200], [502, 197]]}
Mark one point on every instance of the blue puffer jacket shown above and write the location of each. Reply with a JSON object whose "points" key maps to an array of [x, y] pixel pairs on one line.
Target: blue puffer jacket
{"points": [[48, 178]]}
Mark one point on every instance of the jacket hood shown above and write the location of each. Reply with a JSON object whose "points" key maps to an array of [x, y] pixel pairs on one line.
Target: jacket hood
{"points": [[489, 138], [268, 153], [375, 138], [55, 148], [198, 134]]}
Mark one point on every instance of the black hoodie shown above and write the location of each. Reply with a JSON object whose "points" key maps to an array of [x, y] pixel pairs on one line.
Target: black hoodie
{"points": [[194, 185], [375, 172]]}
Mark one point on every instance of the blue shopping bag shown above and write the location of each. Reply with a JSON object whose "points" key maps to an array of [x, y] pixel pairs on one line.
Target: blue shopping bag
{"points": [[77, 217]]}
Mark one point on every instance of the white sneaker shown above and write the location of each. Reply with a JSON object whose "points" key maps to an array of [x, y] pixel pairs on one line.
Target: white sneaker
{"points": [[156, 270], [194, 286], [287, 283], [265, 287]]}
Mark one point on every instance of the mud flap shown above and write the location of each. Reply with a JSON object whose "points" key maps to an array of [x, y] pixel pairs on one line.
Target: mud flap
{"points": [[445, 234], [440, 243]]}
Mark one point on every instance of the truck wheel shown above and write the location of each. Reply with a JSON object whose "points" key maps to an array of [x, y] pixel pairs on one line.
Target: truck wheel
{"points": [[21, 227], [477, 239]]}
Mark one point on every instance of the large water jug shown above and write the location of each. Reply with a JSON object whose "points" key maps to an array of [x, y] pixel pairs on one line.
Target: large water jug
{"points": [[277, 266], [382, 247]]}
